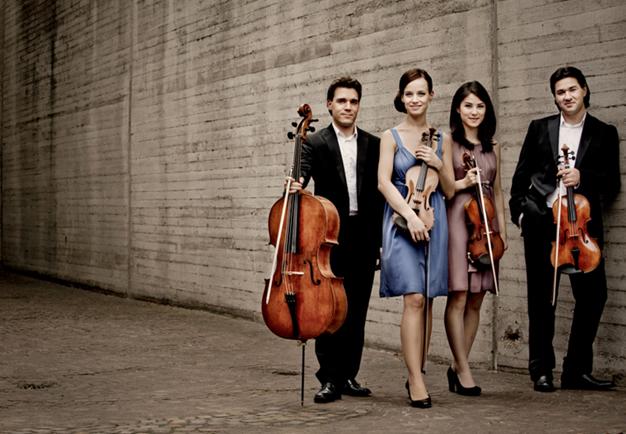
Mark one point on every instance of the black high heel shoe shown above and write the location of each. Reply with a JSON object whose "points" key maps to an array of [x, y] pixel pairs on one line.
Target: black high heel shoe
{"points": [[420, 403], [454, 385]]}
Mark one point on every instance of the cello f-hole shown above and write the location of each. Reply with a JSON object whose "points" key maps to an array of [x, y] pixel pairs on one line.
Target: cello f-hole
{"points": [[315, 281]]}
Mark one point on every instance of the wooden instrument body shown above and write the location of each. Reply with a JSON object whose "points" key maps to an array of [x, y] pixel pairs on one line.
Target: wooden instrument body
{"points": [[573, 250], [421, 181], [578, 251], [321, 302], [480, 221]]}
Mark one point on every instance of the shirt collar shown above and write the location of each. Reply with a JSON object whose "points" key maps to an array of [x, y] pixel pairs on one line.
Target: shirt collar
{"points": [[340, 134], [578, 125]]}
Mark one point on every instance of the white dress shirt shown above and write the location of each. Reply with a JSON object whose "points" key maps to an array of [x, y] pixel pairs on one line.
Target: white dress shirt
{"points": [[569, 134], [348, 148]]}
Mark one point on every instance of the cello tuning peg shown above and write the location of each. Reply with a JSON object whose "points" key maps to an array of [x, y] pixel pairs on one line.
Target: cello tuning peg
{"points": [[311, 129], [290, 135], [314, 120], [294, 124]]}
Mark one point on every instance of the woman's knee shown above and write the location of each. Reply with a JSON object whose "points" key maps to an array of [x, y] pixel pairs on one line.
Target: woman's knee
{"points": [[456, 301], [475, 301], [414, 301]]}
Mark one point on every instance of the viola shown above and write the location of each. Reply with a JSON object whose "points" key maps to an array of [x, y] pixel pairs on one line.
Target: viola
{"points": [[573, 250], [421, 181], [302, 298], [485, 245]]}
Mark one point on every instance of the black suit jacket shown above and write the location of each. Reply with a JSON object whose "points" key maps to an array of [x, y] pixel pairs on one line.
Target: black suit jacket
{"points": [[597, 160], [321, 160]]}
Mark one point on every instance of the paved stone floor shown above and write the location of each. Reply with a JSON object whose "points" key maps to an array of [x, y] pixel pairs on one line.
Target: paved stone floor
{"points": [[75, 361]]}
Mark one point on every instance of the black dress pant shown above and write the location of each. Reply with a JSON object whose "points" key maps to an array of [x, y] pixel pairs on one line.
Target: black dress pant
{"points": [[589, 291], [339, 354]]}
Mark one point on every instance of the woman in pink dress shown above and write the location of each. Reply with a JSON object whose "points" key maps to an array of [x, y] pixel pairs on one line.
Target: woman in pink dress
{"points": [[473, 124]]}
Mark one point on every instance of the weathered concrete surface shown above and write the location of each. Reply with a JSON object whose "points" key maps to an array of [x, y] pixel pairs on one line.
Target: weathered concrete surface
{"points": [[144, 142], [83, 362]]}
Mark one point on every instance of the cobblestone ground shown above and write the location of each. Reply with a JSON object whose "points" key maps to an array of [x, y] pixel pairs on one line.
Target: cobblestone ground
{"points": [[74, 361]]}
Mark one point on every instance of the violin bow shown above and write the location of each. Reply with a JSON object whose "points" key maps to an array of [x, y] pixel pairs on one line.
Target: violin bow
{"points": [[426, 305], [488, 231], [280, 234], [556, 247], [556, 238], [431, 133]]}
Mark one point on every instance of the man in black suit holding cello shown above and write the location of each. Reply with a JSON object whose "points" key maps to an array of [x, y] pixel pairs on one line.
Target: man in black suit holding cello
{"points": [[595, 175], [343, 161]]}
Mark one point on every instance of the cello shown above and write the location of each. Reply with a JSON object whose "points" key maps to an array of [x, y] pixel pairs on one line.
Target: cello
{"points": [[485, 246], [573, 250], [302, 297]]}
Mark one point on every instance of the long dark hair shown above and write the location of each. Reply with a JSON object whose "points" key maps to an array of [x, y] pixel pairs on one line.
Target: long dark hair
{"points": [[407, 77], [487, 127]]}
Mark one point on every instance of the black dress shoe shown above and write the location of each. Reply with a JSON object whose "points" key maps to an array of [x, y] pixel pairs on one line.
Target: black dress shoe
{"points": [[353, 388], [454, 385], [421, 403], [328, 393], [418, 403], [544, 384], [585, 382]]}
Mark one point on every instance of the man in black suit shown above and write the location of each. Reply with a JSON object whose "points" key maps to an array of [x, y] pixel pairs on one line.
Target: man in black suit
{"points": [[595, 175], [343, 160]]}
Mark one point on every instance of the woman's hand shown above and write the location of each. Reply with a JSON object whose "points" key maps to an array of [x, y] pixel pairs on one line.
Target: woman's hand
{"points": [[471, 177], [428, 156], [417, 229]]}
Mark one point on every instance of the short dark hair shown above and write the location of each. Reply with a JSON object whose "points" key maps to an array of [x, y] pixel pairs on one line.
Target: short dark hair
{"points": [[487, 127], [570, 71], [347, 82], [407, 77]]}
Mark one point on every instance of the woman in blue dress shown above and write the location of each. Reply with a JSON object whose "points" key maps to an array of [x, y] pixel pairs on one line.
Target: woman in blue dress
{"points": [[403, 259]]}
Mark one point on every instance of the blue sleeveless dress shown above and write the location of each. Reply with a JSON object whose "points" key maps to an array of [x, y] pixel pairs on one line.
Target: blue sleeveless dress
{"points": [[403, 262]]}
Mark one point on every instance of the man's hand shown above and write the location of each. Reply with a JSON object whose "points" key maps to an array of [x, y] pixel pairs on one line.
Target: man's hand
{"points": [[295, 186], [569, 176]]}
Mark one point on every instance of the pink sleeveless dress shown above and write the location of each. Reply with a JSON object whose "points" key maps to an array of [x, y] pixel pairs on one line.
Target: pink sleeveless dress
{"points": [[462, 275]]}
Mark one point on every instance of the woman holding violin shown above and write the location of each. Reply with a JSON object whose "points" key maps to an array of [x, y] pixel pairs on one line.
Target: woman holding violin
{"points": [[471, 254], [414, 174]]}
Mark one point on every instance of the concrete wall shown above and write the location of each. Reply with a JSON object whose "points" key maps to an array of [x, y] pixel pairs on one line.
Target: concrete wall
{"points": [[143, 143], [65, 140], [1, 111]]}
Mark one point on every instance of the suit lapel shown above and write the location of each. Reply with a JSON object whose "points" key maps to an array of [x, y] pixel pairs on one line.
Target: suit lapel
{"points": [[361, 156], [585, 140], [553, 133], [333, 145]]}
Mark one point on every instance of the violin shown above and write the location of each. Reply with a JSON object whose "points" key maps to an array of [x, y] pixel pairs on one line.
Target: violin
{"points": [[421, 182], [485, 245], [573, 250], [302, 298]]}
